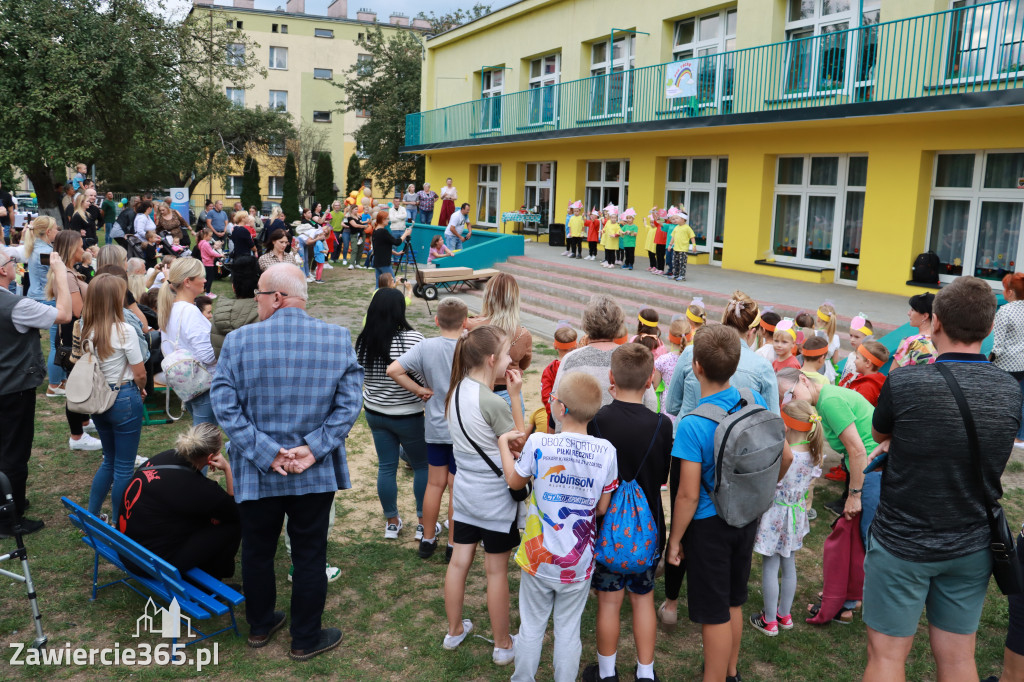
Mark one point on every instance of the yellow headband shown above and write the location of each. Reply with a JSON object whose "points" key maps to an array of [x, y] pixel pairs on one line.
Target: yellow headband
{"points": [[756, 322], [865, 330], [824, 317], [694, 317], [646, 323]]}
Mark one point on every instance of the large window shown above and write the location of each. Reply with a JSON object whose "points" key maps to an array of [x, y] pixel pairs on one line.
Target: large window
{"points": [[236, 95], [279, 100], [702, 38], [607, 183], [540, 189], [544, 76], [819, 211], [986, 39], [488, 189], [976, 213], [236, 54], [824, 49], [275, 186], [233, 186], [491, 87], [698, 185], [278, 58], [610, 90]]}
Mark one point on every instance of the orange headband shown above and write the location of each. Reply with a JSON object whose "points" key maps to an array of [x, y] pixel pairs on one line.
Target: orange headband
{"points": [[564, 345], [796, 424], [767, 327], [816, 353], [678, 340], [621, 340], [869, 356]]}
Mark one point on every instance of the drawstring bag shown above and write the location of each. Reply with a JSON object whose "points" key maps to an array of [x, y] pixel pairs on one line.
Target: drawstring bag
{"points": [[186, 376]]}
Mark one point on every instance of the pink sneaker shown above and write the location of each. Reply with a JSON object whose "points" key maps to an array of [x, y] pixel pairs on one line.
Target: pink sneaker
{"points": [[770, 628], [785, 622]]}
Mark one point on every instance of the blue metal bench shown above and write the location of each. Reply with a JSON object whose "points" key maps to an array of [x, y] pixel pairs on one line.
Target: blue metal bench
{"points": [[199, 595]]}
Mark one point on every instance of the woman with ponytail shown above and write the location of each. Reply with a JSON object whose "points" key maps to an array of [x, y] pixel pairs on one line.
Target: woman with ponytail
{"points": [[1008, 330], [38, 241], [183, 325]]}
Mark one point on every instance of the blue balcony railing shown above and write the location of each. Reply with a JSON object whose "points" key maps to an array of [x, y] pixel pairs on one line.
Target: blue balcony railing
{"points": [[966, 50]]}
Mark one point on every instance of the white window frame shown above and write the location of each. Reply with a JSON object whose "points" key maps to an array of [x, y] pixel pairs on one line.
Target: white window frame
{"points": [[275, 186], [976, 194], [546, 87], [492, 87], [484, 183], [537, 185], [278, 59], [364, 62], [861, 13], [233, 187], [236, 54], [323, 32], [277, 105], [276, 149], [990, 23], [236, 95], [321, 77], [603, 187], [703, 49], [602, 77], [688, 186], [329, 118], [805, 190]]}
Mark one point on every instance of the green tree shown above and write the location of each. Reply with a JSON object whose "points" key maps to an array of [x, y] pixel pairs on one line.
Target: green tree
{"points": [[354, 174], [389, 88], [325, 193], [448, 20], [251, 184], [290, 192]]}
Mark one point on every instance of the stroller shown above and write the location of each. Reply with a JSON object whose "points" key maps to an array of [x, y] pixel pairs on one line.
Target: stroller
{"points": [[8, 514]]}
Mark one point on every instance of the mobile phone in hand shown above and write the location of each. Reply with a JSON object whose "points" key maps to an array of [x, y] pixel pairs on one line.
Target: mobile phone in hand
{"points": [[44, 259]]}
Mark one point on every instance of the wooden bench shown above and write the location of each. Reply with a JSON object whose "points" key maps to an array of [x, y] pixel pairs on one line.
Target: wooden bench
{"points": [[198, 594]]}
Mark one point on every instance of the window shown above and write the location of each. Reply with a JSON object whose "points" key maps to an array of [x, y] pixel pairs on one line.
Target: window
{"points": [[323, 33], [698, 185], [238, 25], [233, 186], [610, 76], [977, 212], [279, 100], [273, 28], [825, 45], [231, 23], [986, 39], [703, 38], [323, 74], [364, 64], [361, 36], [540, 189], [491, 87], [488, 189], [321, 117], [275, 186], [607, 183], [236, 54], [363, 111], [284, 28], [278, 58], [544, 76], [275, 149], [237, 96], [819, 211]]}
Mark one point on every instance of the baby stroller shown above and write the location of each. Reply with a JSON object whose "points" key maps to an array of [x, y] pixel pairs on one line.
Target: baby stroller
{"points": [[8, 514]]}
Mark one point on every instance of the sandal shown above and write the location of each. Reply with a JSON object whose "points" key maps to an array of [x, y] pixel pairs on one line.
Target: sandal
{"points": [[667, 622], [844, 617]]}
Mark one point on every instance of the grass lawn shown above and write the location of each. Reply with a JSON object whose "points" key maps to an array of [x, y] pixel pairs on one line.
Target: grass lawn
{"points": [[388, 602]]}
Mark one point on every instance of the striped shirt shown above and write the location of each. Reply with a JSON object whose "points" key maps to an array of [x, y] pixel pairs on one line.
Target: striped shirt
{"points": [[380, 392]]}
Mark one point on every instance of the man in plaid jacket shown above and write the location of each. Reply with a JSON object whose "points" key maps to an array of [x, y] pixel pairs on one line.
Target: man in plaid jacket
{"points": [[287, 390]]}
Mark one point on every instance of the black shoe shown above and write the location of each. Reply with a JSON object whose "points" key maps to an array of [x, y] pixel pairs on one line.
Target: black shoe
{"points": [[592, 673], [638, 678], [329, 639], [260, 641], [28, 526], [734, 678], [427, 548], [448, 553], [836, 506], [28, 504]]}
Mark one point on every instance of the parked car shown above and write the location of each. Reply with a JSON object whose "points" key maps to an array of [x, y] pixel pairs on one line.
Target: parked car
{"points": [[267, 207], [26, 202]]}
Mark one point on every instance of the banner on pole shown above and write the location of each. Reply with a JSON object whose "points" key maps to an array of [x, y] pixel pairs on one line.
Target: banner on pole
{"points": [[179, 202]]}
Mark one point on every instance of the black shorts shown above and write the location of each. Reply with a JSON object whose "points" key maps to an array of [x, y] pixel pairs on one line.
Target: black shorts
{"points": [[494, 542], [717, 567], [606, 580]]}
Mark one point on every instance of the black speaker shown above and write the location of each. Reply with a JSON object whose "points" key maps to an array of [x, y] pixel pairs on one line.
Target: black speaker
{"points": [[556, 234]]}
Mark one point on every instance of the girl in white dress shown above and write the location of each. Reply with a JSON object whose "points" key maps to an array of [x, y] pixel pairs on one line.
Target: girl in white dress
{"points": [[783, 527]]}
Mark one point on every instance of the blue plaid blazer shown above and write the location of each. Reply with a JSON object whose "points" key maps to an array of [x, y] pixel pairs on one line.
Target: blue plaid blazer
{"points": [[289, 380]]}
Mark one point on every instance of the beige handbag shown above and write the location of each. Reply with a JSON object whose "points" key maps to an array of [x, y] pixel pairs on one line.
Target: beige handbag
{"points": [[87, 390]]}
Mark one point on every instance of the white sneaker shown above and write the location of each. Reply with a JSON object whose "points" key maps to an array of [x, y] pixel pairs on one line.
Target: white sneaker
{"points": [[310, 279], [333, 573], [351, 267], [419, 531], [89, 426], [391, 530], [140, 460], [328, 266], [54, 392], [505, 656], [86, 442], [453, 641], [344, 261]]}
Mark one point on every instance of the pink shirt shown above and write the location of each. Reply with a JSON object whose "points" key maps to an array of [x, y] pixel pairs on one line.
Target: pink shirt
{"points": [[207, 253]]}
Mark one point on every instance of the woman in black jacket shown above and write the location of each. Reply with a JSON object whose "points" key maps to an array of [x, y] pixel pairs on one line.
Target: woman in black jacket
{"points": [[383, 240]]}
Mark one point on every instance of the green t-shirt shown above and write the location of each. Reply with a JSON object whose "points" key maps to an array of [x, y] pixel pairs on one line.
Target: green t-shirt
{"points": [[628, 238], [109, 211], [840, 407]]}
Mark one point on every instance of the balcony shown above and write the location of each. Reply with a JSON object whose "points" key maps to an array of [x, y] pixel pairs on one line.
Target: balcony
{"points": [[920, 63]]}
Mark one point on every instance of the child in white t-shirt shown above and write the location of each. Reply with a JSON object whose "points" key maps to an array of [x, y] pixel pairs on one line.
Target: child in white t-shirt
{"points": [[574, 475]]}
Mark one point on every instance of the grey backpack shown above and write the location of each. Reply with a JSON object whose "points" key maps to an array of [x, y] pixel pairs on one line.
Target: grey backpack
{"points": [[748, 454]]}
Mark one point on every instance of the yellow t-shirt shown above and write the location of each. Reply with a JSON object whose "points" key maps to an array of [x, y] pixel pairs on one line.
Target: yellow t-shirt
{"points": [[576, 226], [539, 419], [681, 236], [611, 236]]}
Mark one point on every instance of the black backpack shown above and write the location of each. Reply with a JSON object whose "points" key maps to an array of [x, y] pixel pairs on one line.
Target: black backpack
{"points": [[926, 268]]}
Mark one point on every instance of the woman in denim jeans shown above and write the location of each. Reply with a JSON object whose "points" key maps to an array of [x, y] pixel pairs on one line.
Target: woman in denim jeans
{"points": [[117, 349], [39, 240], [394, 415]]}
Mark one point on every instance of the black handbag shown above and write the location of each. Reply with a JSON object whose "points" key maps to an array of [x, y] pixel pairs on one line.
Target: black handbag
{"points": [[1006, 568], [64, 347], [518, 495]]}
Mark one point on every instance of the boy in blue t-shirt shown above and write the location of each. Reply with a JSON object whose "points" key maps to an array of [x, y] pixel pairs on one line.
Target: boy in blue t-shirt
{"points": [[717, 555]]}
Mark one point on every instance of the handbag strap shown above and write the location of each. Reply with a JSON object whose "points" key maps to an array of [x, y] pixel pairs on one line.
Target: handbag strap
{"points": [[458, 416], [972, 437]]}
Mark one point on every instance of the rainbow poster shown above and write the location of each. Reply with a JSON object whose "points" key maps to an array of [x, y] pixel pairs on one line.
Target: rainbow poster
{"points": [[680, 79]]}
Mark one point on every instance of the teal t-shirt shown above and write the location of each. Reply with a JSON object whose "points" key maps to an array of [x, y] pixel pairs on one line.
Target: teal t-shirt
{"points": [[840, 407], [109, 211], [627, 240]]}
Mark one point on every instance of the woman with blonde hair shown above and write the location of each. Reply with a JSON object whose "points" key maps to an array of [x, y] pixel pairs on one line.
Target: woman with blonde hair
{"points": [[38, 241], [114, 344], [501, 309], [183, 325]]}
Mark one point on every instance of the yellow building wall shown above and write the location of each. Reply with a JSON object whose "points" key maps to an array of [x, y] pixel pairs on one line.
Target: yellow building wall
{"points": [[900, 152]]}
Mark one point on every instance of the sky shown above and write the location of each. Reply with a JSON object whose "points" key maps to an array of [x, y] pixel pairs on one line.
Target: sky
{"points": [[384, 8]]}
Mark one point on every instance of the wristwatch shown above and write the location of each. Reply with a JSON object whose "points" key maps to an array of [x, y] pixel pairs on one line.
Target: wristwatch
{"points": [[855, 491]]}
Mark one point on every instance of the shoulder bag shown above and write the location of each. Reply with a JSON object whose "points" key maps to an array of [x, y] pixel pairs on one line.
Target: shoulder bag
{"points": [[517, 495], [87, 390], [1006, 568]]}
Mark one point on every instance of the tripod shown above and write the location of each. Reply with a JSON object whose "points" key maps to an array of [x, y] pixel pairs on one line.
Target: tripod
{"points": [[9, 513]]}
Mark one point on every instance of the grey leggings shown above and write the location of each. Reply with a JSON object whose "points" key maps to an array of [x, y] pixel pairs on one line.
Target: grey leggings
{"points": [[775, 602]]}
